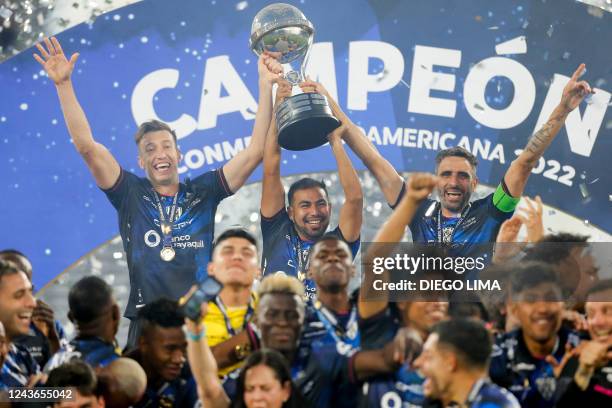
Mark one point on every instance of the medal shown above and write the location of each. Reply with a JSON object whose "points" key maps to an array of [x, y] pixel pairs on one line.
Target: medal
{"points": [[167, 254]]}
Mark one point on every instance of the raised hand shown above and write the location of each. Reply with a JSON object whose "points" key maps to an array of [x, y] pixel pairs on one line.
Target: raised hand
{"points": [[420, 186], [269, 69], [54, 62], [531, 216], [283, 91], [575, 91]]}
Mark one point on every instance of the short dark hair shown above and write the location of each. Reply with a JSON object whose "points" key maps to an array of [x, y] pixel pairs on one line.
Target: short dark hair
{"points": [[77, 374], [162, 312], [275, 361], [236, 233], [528, 275], [8, 268], [468, 338], [88, 297], [304, 184], [153, 125], [600, 286], [554, 248], [456, 151], [470, 307]]}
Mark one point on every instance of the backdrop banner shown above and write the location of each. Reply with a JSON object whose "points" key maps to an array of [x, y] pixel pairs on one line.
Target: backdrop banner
{"points": [[415, 76]]}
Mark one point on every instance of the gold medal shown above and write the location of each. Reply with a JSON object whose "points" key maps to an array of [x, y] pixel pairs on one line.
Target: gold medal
{"points": [[167, 254]]}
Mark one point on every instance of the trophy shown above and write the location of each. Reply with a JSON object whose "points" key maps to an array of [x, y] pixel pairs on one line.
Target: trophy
{"points": [[303, 120]]}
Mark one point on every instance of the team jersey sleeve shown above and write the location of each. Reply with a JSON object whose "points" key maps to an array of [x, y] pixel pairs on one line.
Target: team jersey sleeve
{"points": [[271, 226], [118, 194], [211, 184], [273, 230], [353, 245], [378, 330]]}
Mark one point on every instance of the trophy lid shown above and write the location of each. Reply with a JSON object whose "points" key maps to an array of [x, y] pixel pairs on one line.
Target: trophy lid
{"points": [[274, 17]]}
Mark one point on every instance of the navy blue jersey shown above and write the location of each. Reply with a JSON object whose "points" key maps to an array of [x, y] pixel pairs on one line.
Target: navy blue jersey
{"points": [[485, 394], [529, 378], [18, 367], [479, 224], [179, 393], [92, 350], [597, 394], [284, 250], [318, 373], [192, 234], [404, 388], [325, 330], [38, 344]]}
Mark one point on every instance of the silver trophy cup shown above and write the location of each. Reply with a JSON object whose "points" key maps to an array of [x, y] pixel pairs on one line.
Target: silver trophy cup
{"points": [[303, 120]]}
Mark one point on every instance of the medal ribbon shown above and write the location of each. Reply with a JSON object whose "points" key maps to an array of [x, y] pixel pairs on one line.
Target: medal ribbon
{"points": [[454, 228], [166, 227], [339, 333], [228, 322]]}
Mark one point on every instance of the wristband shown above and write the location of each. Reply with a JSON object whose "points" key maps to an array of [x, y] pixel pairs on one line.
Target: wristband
{"points": [[195, 337]]}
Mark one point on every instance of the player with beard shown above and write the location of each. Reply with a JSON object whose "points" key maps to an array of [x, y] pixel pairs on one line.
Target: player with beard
{"points": [[167, 227], [289, 232], [453, 218], [525, 360], [455, 361], [590, 370], [380, 321], [317, 373]]}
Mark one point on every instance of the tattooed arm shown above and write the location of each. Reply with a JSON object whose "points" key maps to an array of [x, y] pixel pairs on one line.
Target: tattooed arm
{"points": [[520, 169]]}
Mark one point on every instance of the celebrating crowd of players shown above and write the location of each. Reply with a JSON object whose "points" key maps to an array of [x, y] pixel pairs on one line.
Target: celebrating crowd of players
{"points": [[299, 338]]}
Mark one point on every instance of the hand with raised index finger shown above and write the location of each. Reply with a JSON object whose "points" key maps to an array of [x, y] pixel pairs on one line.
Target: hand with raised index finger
{"points": [[52, 58], [575, 91]]}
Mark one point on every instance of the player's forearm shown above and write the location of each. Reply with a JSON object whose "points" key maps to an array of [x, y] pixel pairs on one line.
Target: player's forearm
{"points": [[347, 174], [393, 229], [387, 177], [272, 152], [262, 122], [370, 363], [204, 369], [583, 375], [541, 139], [75, 118]]}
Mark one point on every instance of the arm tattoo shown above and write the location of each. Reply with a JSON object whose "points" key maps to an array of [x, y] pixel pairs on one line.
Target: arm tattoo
{"points": [[543, 137]]}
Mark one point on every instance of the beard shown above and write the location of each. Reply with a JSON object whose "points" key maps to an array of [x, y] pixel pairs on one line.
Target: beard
{"points": [[454, 206]]}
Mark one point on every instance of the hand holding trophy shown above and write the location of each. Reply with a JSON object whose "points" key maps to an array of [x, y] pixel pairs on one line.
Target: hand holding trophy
{"points": [[303, 120]]}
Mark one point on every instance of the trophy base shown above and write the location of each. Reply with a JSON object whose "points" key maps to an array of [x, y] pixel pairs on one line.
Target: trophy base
{"points": [[304, 121]]}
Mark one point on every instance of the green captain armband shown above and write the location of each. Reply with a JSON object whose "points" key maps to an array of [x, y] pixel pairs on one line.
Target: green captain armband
{"points": [[503, 201]]}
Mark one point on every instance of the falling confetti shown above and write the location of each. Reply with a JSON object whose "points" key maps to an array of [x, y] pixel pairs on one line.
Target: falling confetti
{"points": [[242, 5], [566, 55], [550, 30], [477, 106]]}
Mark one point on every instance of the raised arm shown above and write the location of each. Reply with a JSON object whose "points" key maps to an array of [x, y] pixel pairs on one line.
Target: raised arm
{"points": [[419, 186], [239, 168], [520, 169], [405, 346], [351, 213], [388, 178], [100, 161], [203, 365], [352, 209], [273, 193]]}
